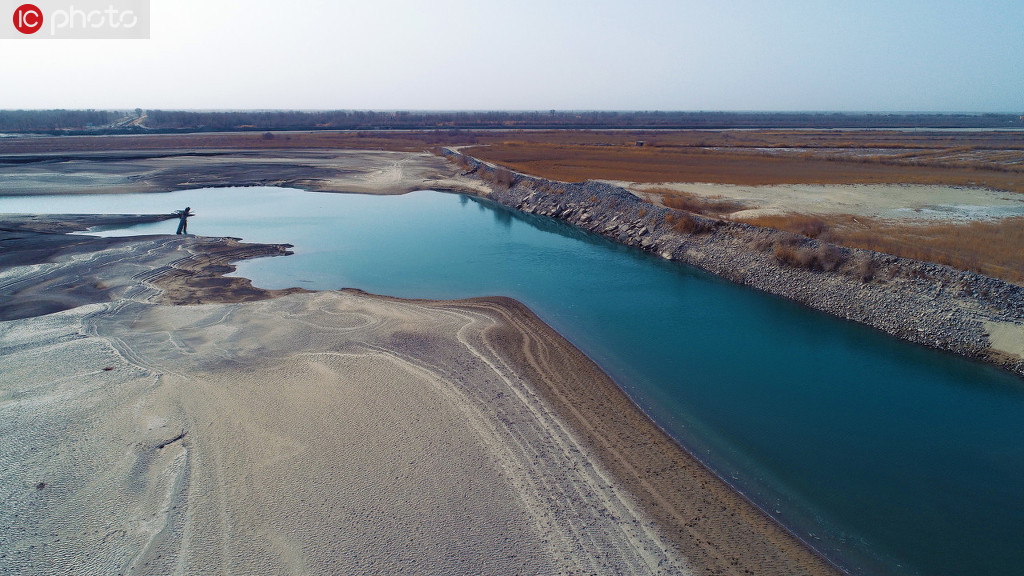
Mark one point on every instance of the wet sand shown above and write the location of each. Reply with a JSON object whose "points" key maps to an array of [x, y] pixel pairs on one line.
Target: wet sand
{"points": [[334, 432], [45, 270]]}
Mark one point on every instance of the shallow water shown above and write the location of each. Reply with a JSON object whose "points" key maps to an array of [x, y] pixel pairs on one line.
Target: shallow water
{"points": [[891, 458]]}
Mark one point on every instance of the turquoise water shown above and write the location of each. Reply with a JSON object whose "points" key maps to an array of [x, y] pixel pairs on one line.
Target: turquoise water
{"points": [[890, 458]]}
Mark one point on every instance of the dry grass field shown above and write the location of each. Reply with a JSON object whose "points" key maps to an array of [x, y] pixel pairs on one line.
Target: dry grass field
{"points": [[772, 158], [993, 248]]}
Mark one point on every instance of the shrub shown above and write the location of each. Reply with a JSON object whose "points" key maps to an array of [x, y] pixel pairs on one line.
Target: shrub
{"points": [[824, 258], [795, 256], [812, 227], [829, 257], [699, 204], [462, 161], [504, 177], [499, 176], [686, 223], [803, 224], [865, 270]]}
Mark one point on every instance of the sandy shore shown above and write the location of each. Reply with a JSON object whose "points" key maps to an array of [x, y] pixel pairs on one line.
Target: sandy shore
{"points": [[337, 432]]}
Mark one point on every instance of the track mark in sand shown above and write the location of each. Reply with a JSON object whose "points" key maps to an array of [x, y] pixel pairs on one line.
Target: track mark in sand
{"points": [[589, 480], [287, 550], [715, 528], [385, 176], [540, 364], [598, 480], [585, 524], [164, 542]]}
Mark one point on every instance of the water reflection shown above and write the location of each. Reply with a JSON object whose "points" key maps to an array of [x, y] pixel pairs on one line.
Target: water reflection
{"points": [[505, 216]]}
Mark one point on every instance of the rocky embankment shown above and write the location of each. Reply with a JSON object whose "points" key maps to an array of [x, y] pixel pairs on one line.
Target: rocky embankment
{"points": [[937, 306]]}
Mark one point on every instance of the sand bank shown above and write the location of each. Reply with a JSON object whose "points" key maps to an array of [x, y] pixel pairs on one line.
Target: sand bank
{"points": [[337, 432], [328, 434]]}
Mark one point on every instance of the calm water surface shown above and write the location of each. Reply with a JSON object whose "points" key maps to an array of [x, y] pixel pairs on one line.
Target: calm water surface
{"points": [[891, 458]]}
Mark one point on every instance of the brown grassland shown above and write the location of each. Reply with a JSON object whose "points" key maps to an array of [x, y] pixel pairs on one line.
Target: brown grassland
{"points": [[992, 248], [715, 207], [868, 163]]}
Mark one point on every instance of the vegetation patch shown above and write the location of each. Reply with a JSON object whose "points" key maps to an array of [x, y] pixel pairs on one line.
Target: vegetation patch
{"points": [[820, 258], [993, 248], [715, 207], [985, 159]]}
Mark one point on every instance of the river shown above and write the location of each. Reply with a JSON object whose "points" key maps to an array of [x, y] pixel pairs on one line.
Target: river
{"points": [[888, 457]]}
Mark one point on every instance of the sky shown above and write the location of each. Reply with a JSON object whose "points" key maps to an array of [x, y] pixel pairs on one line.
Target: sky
{"points": [[876, 56]]}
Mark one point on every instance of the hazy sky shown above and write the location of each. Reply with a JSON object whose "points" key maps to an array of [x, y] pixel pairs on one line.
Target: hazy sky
{"points": [[889, 55]]}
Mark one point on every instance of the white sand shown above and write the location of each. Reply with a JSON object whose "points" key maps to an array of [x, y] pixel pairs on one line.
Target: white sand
{"points": [[1006, 337], [327, 433]]}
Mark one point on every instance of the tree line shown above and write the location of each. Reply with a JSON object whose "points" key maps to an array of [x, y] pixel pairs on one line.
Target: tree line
{"points": [[113, 121], [55, 120]]}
